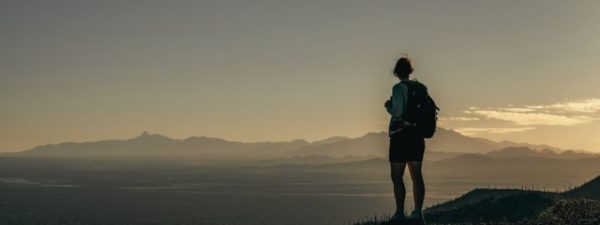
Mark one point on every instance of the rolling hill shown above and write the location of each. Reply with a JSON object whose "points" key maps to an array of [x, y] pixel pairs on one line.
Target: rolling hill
{"points": [[589, 190], [578, 206], [513, 205]]}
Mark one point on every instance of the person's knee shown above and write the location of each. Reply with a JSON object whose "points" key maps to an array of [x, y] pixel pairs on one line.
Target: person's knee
{"points": [[415, 173], [397, 178], [416, 177]]}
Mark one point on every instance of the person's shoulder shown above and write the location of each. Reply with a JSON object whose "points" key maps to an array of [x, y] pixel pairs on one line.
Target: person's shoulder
{"points": [[399, 85], [419, 83], [414, 83], [411, 82]]}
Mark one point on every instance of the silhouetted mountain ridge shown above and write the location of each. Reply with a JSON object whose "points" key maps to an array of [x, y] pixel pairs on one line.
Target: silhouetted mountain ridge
{"points": [[446, 144], [155, 145], [445, 140], [548, 153], [314, 160]]}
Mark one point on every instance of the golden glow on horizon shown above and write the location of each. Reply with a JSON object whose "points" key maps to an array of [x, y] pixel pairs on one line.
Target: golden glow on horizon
{"points": [[297, 70]]}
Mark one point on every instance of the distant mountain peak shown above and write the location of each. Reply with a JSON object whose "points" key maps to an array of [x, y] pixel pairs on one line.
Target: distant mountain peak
{"points": [[147, 136], [330, 140], [519, 151]]}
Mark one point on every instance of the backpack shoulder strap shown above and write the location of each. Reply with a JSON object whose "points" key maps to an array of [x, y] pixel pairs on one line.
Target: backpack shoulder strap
{"points": [[415, 87]]}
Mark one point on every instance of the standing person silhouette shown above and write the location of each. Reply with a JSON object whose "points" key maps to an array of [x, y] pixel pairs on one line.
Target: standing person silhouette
{"points": [[405, 148]]}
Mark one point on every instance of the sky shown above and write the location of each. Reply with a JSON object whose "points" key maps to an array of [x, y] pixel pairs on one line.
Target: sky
{"points": [[73, 71]]}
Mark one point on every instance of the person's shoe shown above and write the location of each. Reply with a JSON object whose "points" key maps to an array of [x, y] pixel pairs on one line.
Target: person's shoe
{"points": [[416, 218], [398, 218]]}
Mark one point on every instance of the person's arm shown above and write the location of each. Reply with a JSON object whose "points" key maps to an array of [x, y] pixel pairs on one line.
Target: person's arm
{"points": [[388, 105], [396, 104]]}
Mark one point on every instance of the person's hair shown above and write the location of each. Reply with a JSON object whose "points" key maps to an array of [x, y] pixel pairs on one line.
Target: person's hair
{"points": [[403, 67]]}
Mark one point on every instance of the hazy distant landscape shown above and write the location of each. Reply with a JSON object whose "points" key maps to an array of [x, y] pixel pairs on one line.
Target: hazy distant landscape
{"points": [[153, 179], [276, 112]]}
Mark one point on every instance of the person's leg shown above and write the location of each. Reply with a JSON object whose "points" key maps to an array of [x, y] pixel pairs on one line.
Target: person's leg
{"points": [[397, 172], [416, 175]]}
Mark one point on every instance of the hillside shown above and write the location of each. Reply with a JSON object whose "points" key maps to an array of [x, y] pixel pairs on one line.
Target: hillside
{"points": [[562, 212], [473, 197], [524, 207], [510, 208], [589, 190]]}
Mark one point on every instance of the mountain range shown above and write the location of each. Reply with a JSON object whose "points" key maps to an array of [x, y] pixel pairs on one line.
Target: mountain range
{"points": [[446, 144]]}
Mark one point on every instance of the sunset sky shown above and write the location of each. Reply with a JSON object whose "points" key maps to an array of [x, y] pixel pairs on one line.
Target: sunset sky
{"points": [[526, 71]]}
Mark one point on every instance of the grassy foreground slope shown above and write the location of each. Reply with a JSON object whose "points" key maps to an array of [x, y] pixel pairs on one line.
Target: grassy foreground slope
{"points": [[579, 206]]}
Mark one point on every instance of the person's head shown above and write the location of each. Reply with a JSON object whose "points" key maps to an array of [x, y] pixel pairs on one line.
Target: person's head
{"points": [[403, 68]]}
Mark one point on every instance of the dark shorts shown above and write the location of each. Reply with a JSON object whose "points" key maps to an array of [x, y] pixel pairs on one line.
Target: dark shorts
{"points": [[406, 147]]}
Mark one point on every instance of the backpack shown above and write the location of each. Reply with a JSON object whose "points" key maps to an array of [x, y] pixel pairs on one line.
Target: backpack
{"points": [[421, 110]]}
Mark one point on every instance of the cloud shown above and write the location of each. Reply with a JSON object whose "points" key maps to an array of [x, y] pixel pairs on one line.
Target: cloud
{"points": [[533, 118], [556, 114], [517, 109], [524, 117], [491, 130], [459, 118], [591, 105]]}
